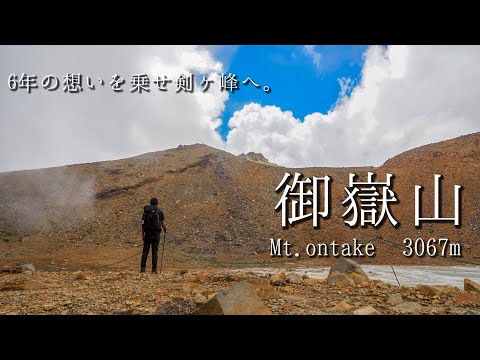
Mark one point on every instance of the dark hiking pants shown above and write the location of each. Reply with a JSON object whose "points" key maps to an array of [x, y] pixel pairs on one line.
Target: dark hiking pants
{"points": [[146, 248]]}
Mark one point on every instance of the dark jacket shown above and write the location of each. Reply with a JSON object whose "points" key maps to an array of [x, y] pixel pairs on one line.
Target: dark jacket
{"points": [[161, 217]]}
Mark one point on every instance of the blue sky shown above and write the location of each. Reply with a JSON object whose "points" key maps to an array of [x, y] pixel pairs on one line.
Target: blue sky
{"points": [[409, 96], [302, 79]]}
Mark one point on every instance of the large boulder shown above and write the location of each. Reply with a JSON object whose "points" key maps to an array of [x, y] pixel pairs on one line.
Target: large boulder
{"points": [[239, 299], [465, 297], [344, 265], [351, 269], [339, 279], [469, 285], [358, 279]]}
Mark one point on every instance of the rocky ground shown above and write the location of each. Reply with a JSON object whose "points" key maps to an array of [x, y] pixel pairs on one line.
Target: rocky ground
{"points": [[185, 291], [220, 212]]}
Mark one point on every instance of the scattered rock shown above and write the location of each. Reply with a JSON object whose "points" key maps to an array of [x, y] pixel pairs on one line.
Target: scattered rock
{"points": [[469, 285], [129, 312], [239, 299], [339, 279], [174, 293], [465, 297], [201, 278], [311, 282], [79, 275], [264, 290], [294, 279], [256, 157], [426, 290], [431, 291], [176, 307], [199, 299], [343, 306], [25, 267], [446, 289], [223, 277], [48, 307], [367, 310], [186, 289], [193, 289], [183, 271], [278, 279], [394, 299], [408, 308], [23, 285]]}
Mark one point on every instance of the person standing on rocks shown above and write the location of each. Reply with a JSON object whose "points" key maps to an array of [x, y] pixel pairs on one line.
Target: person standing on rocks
{"points": [[153, 221]]}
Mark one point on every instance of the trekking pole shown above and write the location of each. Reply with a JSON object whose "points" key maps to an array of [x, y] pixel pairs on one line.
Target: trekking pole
{"points": [[163, 249], [395, 275]]}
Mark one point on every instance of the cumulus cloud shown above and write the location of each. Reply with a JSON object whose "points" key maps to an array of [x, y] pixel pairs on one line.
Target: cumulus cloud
{"points": [[408, 96], [45, 128]]}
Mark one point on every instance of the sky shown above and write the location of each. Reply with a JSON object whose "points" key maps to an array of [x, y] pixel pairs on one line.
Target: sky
{"points": [[326, 105]]}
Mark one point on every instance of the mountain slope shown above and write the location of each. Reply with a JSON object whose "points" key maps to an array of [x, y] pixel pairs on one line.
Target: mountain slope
{"points": [[221, 206]]}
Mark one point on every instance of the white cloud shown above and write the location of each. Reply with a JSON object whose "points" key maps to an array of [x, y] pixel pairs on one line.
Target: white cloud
{"points": [[44, 128], [408, 96], [314, 55]]}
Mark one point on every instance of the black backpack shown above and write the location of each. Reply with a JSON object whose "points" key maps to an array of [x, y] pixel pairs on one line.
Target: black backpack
{"points": [[151, 222]]}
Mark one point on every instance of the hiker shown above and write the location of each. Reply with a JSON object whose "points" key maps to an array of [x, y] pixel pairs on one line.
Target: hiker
{"points": [[153, 221]]}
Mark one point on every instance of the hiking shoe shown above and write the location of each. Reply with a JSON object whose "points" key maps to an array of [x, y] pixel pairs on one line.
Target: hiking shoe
{"points": [[154, 272], [142, 270]]}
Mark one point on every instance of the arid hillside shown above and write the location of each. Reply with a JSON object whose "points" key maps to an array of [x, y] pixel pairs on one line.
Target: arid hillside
{"points": [[221, 206]]}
